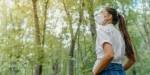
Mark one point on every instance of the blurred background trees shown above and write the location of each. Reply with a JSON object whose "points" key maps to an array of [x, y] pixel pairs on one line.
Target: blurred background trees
{"points": [[57, 37]]}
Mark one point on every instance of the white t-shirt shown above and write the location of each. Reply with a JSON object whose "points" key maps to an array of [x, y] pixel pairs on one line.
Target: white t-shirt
{"points": [[112, 35]]}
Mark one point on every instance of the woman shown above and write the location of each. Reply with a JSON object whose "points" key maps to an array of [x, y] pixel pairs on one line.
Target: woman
{"points": [[112, 44]]}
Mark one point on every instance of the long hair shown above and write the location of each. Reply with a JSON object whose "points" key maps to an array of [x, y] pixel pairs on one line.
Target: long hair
{"points": [[118, 18]]}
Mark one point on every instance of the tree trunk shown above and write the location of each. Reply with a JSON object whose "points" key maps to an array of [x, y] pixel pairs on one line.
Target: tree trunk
{"points": [[55, 67], [92, 21], [45, 19], [73, 36], [38, 68], [36, 21]]}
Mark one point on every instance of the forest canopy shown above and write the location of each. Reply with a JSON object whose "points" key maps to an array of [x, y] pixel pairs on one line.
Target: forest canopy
{"points": [[57, 37]]}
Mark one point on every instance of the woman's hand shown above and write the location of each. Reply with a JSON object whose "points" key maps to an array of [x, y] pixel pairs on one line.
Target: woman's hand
{"points": [[94, 73], [130, 62]]}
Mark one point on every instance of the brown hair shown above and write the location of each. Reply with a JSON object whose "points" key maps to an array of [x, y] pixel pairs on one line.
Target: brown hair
{"points": [[118, 18]]}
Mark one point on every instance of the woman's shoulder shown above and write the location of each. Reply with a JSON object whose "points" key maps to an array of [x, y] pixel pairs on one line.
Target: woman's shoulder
{"points": [[105, 29]]}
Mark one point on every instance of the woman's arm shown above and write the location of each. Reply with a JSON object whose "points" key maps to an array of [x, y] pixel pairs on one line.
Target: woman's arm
{"points": [[108, 56], [130, 62]]}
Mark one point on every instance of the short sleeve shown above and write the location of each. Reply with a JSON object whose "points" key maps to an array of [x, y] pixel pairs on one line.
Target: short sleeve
{"points": [[103, 37]]}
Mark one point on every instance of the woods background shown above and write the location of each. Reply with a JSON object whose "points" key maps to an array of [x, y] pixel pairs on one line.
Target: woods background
{"points": [[57, 37]]}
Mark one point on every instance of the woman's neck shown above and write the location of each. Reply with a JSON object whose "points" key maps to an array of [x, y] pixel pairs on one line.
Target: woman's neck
{"points": [[107, 24]]}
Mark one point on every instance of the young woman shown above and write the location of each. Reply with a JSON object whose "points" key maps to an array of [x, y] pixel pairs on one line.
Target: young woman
{"points": [[112, 44]]}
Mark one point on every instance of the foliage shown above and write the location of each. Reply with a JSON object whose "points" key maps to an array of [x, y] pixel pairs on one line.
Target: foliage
{"points": [[19, 54]]}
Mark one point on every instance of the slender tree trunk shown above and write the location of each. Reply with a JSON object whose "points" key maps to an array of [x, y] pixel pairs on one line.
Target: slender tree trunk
{"points": [[146, 25], [73, 36], [92, 21], [36, 21], [38, 68], [56, 67], [70, 70], [45, 19]]}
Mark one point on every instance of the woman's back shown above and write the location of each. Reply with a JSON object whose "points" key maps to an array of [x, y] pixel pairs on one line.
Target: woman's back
{"points": [[112, 35]]}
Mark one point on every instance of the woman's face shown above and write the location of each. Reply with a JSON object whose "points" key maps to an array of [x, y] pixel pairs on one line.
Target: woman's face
{"points": [[106, 15]]}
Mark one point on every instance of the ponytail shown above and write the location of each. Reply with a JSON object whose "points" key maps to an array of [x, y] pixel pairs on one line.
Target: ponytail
{"points": [[123, 29], [122, 26]]}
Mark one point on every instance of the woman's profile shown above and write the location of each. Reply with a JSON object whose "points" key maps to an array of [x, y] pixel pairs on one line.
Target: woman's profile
{"points": [[112, 44]]}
